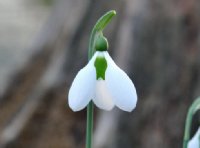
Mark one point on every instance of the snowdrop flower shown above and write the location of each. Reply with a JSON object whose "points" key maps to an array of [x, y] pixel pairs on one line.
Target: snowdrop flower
{"points": [[194, 142], [103, 82]]}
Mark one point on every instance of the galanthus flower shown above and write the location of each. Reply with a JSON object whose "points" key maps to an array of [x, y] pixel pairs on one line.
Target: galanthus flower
{"points": [[194, 142], [103, 82]]}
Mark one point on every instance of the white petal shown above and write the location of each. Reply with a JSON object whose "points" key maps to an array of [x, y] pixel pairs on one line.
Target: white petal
{"points": [[83, 86], [194, 142], [120, 86], [102, 98]]}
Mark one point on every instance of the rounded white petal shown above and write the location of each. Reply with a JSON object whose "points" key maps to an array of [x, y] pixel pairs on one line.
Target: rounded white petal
{"points": [[102, 98], [120, 86], [194, 142], [83, 86]]}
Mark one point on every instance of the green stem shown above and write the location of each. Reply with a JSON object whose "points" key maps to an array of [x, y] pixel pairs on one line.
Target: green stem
{"points": [[89, 129], [192, 110], [97, 30]]}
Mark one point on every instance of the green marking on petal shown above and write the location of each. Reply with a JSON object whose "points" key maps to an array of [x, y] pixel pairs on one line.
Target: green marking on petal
{"points": [[101, 66]]}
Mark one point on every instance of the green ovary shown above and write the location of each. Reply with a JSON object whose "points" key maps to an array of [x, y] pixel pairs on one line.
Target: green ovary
{"points": [[101, 66]]}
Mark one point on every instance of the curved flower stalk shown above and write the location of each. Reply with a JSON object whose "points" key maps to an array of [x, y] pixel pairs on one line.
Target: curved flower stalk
{"points": [[194, 142]]}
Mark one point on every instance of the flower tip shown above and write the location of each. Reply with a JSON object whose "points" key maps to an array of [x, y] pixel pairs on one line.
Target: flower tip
{"points": [[75, 107], [130, 109], [113, 12], [72, 106]]}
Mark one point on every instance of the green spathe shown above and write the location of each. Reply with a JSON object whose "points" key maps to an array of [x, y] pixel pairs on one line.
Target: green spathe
{"points": [[101, 66]]}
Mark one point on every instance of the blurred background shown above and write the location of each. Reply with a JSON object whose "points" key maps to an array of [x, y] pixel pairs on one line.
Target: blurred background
{"points": [[44, 43]]}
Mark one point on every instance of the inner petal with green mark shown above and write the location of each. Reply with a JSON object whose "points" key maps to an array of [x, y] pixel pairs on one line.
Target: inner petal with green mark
{"points": [[101, 66]]}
